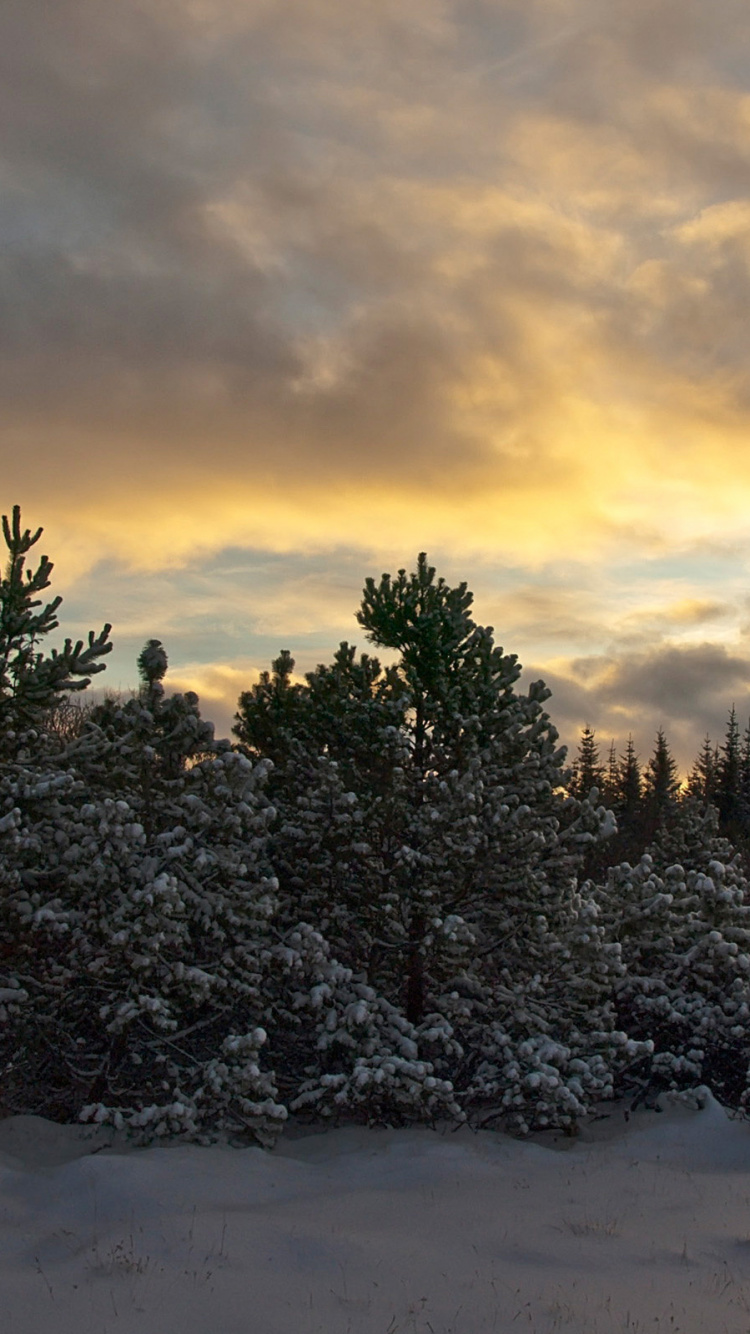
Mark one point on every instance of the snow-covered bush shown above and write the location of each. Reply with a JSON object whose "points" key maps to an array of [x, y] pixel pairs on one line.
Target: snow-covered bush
{"points": [[357, 1056], [685, 939], [135, 916]]}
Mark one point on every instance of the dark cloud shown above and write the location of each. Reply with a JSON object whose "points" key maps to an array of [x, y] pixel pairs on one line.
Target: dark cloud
{"points": [[678, 679], [686, 689]]}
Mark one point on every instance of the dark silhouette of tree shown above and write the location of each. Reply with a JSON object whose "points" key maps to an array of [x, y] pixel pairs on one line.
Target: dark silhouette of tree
{"points": [[629, 788], [588, 770], [702, 779], [745, 786], [729, 779], [661, 786], [610, 787]]}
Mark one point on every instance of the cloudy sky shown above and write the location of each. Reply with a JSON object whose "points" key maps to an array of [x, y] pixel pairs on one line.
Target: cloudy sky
{"points": [[294, 289]]}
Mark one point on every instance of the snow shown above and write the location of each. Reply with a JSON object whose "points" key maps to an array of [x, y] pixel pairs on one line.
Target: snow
{"points": [[637, 1225]]}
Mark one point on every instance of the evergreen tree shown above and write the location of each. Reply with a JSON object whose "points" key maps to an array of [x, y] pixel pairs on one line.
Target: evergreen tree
{"points": [[423, 829], [588, 771], [685, 991], [611, 786], [745, 761], [702, 779], [661, 786], [31, 681], [629, 789], [135, 919], [744, 801], [729, 777], [690, 838], [623, 793]]}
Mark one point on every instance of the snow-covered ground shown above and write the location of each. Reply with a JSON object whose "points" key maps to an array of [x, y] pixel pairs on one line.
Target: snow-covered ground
{"points": [[638, 1226]]}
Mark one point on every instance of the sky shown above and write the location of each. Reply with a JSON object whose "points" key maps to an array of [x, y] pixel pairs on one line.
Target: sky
{"points": [[293, 290], [638, 1226]]}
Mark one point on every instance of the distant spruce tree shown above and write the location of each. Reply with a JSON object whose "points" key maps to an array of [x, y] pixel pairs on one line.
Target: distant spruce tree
{"points": [[661, 786], [629, 799], [745, 760], [587, 770], [610, 789], [623, 793], [729, 778], [745, 788], [702, 782]]}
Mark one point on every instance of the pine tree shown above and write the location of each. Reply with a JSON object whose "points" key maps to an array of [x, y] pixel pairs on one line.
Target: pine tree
{"points": [[691, 838], [685, 992], [136, 924], [31, 681], [422, 828]]}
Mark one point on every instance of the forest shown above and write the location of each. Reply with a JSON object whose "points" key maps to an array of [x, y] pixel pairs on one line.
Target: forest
{"points": [[390, 899]]}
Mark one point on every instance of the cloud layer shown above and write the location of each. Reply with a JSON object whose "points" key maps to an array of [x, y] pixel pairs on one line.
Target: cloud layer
{"points": [[335, 282]]}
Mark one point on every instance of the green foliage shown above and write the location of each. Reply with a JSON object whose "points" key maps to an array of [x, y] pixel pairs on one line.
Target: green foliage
{"points": [[134, 926], [422, 827], [371, 908], [32, 681], [685, 989]]}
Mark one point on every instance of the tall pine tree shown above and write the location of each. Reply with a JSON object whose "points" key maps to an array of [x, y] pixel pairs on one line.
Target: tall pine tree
{"points": [[422, 826], [32, 681]]}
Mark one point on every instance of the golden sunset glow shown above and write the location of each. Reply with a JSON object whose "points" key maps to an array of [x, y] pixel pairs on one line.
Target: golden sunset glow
{"points": [[294, 291]]}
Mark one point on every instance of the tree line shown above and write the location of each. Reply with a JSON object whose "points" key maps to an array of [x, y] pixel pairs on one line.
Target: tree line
{"points": [[388, 899], [647, 798]]}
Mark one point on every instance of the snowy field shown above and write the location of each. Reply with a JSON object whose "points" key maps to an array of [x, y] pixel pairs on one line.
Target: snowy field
{"points": [[639, 1226]]}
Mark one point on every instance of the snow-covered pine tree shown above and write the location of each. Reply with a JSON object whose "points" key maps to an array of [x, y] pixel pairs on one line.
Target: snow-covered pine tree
{"points": [[691, 838], [32, 681], [136, 924], [528, 999], [424, 827], [337, 782], [685, 938]]}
